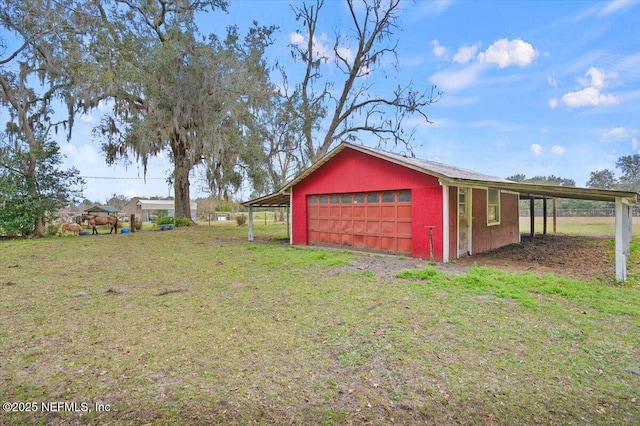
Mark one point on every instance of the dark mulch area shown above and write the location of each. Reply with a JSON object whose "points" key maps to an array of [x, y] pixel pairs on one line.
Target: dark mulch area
{"points": [[580, 257]]}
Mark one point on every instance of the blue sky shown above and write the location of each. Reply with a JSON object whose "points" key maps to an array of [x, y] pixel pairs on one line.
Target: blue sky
{"points": [[536, 87]]}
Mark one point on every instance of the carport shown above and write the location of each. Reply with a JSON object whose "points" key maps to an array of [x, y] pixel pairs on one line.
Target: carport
{"points": [[624, 200], [278, 200]]}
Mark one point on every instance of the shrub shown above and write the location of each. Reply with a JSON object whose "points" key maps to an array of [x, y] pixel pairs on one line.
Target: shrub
{"points": [[183, 221], [241, 220], [52, 229], [165, 221]]}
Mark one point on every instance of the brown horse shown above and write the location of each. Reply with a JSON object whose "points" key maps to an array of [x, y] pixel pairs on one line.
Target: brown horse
{"points": [[95, 220], [73, 227]]}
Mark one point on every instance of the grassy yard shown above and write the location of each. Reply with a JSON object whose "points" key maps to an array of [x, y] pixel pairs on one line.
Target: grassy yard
{"points": [[198, 326]]}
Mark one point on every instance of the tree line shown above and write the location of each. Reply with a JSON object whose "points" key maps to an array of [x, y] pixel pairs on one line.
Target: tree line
{"points": [[628, 180], [211, 100]]}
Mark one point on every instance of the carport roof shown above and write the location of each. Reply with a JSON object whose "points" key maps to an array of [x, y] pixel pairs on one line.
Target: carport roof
{"points": [[277, 199], [450, 175]]}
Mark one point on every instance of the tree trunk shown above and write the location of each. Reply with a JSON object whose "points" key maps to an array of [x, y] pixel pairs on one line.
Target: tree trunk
{"points": [[182, 167], [32, 187]]}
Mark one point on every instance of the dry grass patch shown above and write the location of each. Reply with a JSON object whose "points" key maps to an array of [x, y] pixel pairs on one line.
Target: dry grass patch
{"points": [[270, 334]]}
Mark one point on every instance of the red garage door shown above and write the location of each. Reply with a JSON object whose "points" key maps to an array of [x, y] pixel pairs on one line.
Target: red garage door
{"points": [[373, 220]]}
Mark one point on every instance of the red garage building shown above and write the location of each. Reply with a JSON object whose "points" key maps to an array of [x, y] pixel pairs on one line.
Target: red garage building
{"points": [[366, 198]]}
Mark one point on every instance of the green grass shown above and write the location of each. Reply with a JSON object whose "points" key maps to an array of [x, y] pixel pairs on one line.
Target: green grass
{"points": [[199, 326]]}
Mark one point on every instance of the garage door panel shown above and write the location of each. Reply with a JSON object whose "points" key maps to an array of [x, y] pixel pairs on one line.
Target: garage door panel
{"points": [[374, 220], [404, 229], [388, 243], [389, 211], [335, 238], [404, 245], [373, 228], [388, 228], [359, 226], [373, 242], [358, 241], [373, 212], [403, 211]]}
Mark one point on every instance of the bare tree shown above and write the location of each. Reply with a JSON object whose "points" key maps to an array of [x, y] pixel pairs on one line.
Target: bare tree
{"points": [[283, 136], [345, 109]]}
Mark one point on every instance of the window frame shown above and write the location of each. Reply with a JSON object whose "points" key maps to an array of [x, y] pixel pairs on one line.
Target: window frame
{"points": [[495, 206]]}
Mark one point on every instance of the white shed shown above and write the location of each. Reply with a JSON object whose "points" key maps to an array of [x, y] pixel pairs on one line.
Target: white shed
{"points": [[146, 208]]}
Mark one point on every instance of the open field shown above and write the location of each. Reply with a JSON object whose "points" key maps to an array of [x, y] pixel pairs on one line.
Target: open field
{"points": [[579, 225], [199, 326]]}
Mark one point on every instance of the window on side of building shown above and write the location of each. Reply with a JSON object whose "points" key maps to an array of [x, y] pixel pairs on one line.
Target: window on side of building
{"points": [[493, 206]]}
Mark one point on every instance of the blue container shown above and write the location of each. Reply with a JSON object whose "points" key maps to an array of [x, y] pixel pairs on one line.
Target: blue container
{"points": [[124, 231], [84, 233]]}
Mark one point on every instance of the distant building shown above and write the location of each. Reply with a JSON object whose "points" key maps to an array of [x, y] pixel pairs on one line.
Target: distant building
{"points": [[102, 210], [145, 209]]}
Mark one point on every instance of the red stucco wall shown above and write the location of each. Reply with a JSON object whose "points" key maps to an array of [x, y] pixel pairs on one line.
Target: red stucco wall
{"points": [[486, 237], [354, 171]]}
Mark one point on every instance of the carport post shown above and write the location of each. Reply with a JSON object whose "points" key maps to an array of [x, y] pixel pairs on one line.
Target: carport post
{"points": [[532, 216], [623, 236], [544, 215], [250, 223]]}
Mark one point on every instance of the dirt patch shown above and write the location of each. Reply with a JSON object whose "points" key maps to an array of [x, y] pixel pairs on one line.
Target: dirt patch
{"points": [[580, 257], [385, 266]]}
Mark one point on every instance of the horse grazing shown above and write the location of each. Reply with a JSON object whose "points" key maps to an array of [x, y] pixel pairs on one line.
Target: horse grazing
{"points": [[73, 227], [95, 220]]}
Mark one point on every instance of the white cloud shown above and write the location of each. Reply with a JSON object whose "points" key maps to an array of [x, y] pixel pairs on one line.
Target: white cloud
{"points": [[552, 81], [82, 155], [634, 143], [320, 49], [87, 118], [618, 134], [557, 149], [588, 97], [594, 81], [595, 78], [438, 51], [506, 53], [432, 8], [615, 6], [296, 38], [456, 80], [536, 149], [465, 54], [553, 103]]}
